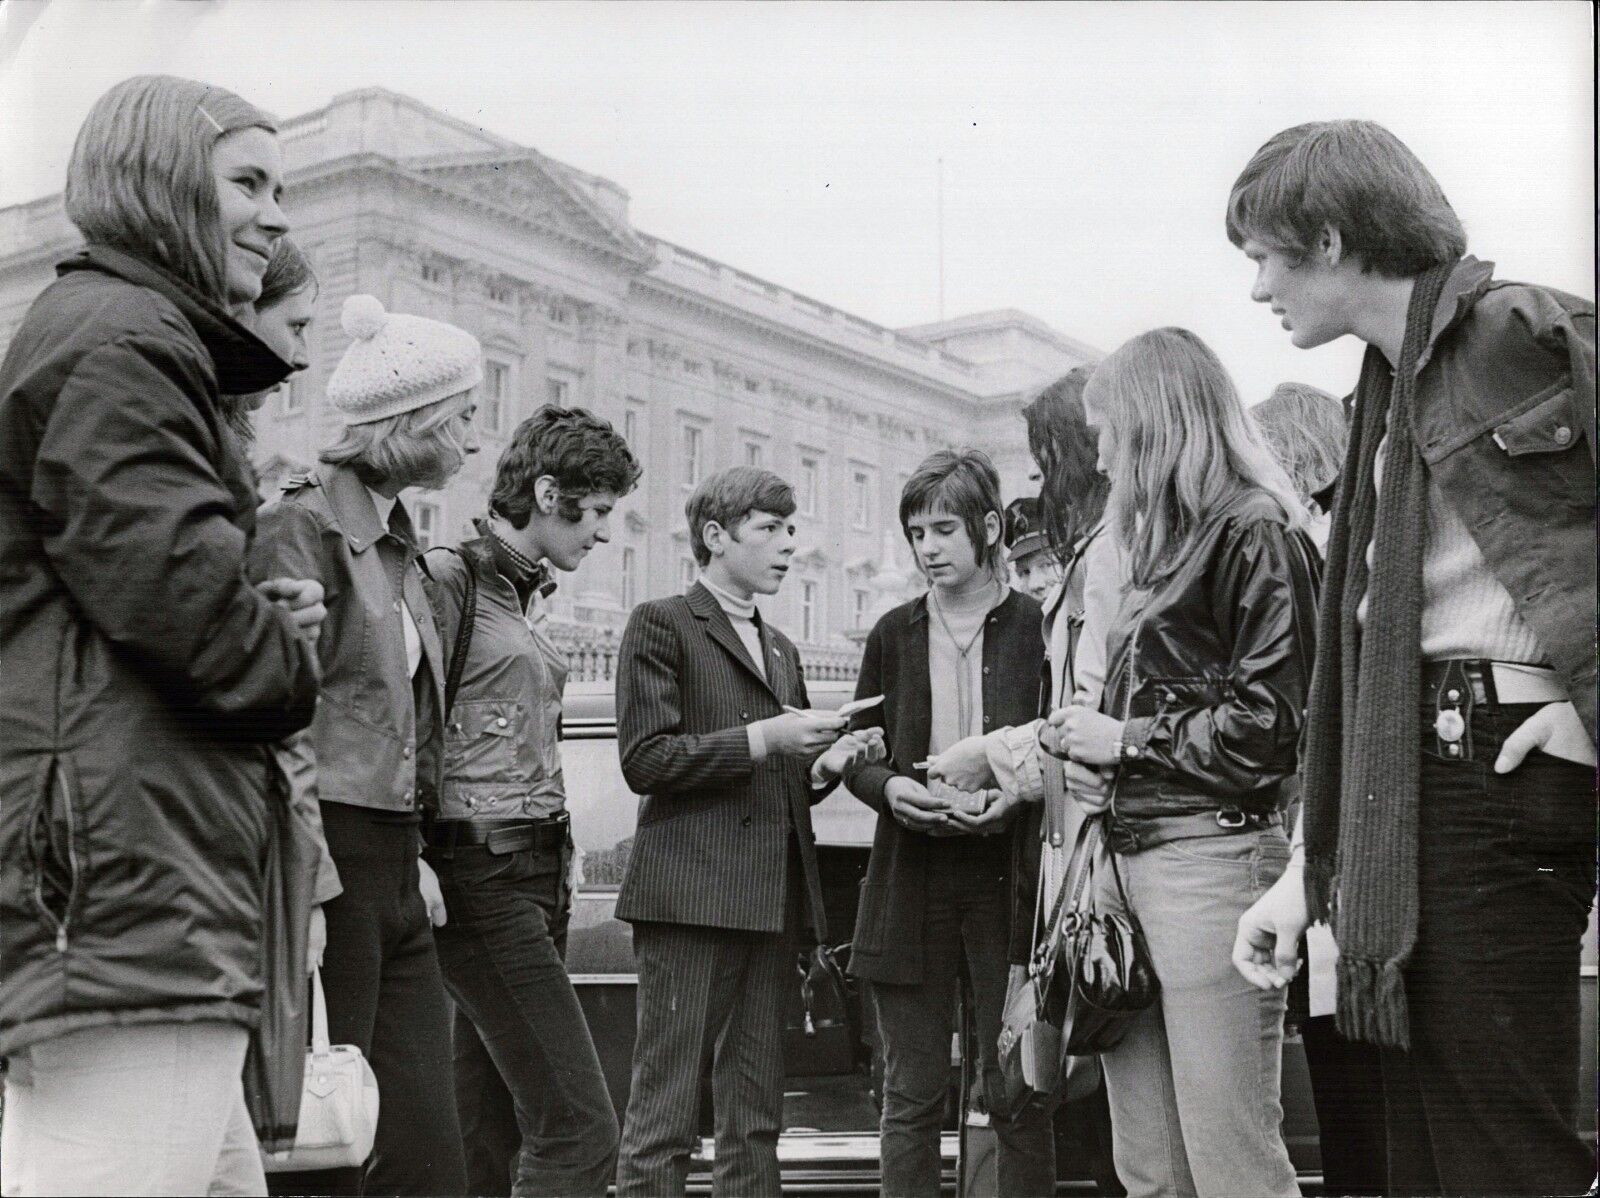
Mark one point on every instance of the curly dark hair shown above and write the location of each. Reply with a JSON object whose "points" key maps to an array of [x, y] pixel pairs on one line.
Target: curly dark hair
{"points": [[1073, 496], [582, 452]]}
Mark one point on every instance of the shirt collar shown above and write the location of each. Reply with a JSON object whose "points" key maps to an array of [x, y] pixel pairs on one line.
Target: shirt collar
{"points": [[384, 505]]}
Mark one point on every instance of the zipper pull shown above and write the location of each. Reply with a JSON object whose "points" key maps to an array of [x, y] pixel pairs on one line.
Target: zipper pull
{"points": [[61, 938]]}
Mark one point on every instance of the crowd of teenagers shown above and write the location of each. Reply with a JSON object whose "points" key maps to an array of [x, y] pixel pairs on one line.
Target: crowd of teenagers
{"points": [[1319, 674]]}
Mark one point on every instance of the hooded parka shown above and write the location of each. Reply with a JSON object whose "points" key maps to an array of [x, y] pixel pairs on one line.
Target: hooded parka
{"points": [[142, 677]]}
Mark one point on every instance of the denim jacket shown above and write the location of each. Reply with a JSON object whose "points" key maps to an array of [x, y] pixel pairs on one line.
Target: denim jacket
{"points": [[1505, 420], [502, 759], [377, 738]]}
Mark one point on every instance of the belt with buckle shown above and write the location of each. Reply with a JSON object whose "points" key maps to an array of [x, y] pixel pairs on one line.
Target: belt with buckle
{"points": [[1133, 836], [499, 836], [1457, 686]]}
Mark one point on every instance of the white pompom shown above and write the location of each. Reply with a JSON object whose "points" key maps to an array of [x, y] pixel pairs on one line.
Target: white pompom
{"points": [[363, 316]]}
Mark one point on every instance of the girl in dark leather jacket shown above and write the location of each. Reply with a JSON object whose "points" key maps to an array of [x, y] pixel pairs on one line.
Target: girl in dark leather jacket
{"points": [[1208, 667]]}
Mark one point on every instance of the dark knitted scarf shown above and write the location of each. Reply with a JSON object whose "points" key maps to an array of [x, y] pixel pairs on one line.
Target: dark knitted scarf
{"points": [[1362, 770]]}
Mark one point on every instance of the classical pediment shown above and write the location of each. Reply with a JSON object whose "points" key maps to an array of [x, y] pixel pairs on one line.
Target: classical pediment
{"points": [[534, 190]]}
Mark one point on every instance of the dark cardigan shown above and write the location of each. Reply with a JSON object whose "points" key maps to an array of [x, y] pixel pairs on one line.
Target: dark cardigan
{"points": [[888, 935]]}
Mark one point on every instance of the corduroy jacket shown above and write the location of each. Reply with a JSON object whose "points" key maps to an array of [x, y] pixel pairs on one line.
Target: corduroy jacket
{"points": [[888, 943]]}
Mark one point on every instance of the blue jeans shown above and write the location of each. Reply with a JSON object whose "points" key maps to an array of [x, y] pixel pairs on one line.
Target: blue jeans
{"points": [[502, 952], [1486, 1100], [1194, 1088], [966, 922]]}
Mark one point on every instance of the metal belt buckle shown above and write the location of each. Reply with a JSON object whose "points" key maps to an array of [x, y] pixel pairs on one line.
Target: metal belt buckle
{"points": [[1231, 819]]}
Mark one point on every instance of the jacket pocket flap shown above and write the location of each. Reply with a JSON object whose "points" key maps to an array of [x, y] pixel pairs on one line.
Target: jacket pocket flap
{"points": [[491, 717], [1548, 427]]}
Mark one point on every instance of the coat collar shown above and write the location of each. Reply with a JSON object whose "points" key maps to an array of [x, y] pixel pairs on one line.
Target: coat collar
{"points": [[705, 607], [1465, 286], [243, 362], [352, 506]]}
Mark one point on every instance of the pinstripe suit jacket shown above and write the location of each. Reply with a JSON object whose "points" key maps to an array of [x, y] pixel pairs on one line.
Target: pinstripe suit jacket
{"points": [[712, 845]]}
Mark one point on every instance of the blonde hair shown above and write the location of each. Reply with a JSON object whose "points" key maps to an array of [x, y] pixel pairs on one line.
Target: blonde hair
{"points": [[418, 448], [1307, 431], [140, 174], [1181, 447]]}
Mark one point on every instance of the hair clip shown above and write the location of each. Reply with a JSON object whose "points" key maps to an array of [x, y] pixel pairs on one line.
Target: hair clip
{"points": [[200, 108]]}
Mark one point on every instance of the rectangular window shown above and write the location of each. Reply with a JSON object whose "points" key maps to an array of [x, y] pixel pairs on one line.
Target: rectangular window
{"points": [[556, 392], [810, 617], [631, 423], [861, 499], [425, 519], [860, 604], [686, 573], [500, 293], [693, 454], [496, 397], [432, 272], [810, 485], [630, 578], [752, 454]]}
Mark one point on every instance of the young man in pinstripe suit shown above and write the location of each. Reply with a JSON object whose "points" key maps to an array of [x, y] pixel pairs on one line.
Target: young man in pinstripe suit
{"points": [[714, 733]]}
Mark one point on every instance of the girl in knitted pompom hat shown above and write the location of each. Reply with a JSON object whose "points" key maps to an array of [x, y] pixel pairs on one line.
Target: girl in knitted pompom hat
{"points": [[405, 387]]}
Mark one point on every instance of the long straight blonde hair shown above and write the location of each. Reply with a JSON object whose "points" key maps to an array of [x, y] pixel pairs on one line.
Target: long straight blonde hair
{"points": [[140, 175], [1181, 446]]}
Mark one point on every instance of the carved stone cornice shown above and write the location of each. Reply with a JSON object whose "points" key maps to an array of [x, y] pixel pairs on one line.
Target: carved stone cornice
{"points": [[664, 353], [601, 323]]}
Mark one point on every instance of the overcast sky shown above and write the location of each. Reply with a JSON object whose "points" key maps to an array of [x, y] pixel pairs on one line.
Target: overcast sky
{"points": [[1088, 148]]}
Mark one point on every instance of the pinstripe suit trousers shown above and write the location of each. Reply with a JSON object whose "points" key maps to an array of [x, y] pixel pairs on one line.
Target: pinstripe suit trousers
{"points": [[706, 994]]}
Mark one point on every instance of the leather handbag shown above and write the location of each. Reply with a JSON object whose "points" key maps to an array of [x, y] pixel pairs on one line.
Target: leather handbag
{"points": [[338, 1102], [819, 1036], [1106, 978], [1033, 1068]]}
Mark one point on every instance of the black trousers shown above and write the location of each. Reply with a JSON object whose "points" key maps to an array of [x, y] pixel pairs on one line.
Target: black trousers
{"points": [[386, 996], [965, 927], [1347, 1088], [1486, 1100], [523, 1053]]}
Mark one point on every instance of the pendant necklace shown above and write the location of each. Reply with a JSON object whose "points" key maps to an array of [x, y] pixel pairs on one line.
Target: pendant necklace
{"points": [[963, 674]]}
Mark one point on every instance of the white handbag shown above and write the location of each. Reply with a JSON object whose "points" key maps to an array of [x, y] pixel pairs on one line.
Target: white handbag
{"points": [[338, 1102]]}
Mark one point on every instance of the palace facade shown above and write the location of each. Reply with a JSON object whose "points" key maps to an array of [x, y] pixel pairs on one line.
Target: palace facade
{"points": [[698, 363]]}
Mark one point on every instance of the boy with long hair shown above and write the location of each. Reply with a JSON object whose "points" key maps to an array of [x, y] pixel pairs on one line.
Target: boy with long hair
{"points": [[1456, 639], [963, 659]]}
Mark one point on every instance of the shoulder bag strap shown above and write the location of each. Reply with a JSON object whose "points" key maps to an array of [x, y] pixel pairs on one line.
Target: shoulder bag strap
{"points": [[463, 645], [1071, 887], [319, 1015]]}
